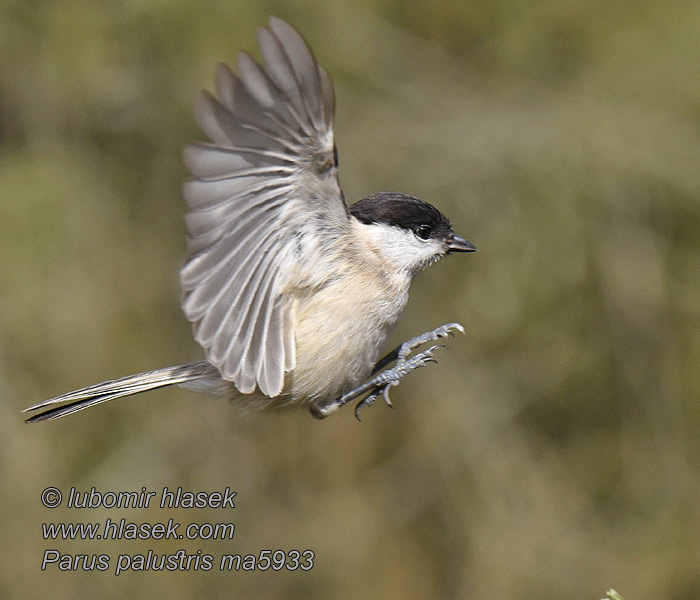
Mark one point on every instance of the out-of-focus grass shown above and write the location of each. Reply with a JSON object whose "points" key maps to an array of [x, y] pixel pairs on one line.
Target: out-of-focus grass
{"points": [[553, 450]]}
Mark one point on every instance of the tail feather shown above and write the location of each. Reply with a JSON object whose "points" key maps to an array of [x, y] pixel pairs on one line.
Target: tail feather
{"points": [[125, 386]]}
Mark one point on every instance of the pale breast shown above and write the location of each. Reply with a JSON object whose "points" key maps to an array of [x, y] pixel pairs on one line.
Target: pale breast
{"points": [[341, 331]]}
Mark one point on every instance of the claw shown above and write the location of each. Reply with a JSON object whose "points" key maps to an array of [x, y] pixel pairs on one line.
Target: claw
{"points": [[357, 411], [446, 330], [427, 355], [370, 398], [385, 393], [366, 401], [456, 326]]}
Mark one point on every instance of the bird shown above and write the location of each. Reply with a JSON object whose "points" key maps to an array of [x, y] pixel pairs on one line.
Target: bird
{"points": [[291, 292]]}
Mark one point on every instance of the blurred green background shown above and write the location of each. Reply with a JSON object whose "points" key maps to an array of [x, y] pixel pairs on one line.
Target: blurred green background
{"points": [[553, 452]]}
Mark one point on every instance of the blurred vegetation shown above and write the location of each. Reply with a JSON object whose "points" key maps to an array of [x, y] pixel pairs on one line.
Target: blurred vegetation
{"points": [[554, 451]]}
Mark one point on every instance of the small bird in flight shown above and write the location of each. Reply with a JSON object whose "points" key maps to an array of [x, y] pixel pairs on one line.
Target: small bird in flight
{"points": [[291, 292]]}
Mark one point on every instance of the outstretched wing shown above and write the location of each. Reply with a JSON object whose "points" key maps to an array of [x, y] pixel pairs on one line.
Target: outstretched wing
{"points": [[264, 198]]}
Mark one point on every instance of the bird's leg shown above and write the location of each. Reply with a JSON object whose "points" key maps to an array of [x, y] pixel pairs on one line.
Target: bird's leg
{"points": [[382, 381]]}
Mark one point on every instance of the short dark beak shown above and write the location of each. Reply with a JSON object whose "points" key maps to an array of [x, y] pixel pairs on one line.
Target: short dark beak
{"points": [[458, 244]]}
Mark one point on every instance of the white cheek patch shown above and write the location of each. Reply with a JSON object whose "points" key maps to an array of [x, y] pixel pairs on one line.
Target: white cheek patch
{"points": [[401, 247]]}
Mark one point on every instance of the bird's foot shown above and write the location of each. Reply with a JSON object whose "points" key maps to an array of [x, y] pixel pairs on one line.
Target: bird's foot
{"points": [[383, 381]]}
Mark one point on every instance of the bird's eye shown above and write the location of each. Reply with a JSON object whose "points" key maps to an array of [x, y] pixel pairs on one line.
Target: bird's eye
{"points": [[423, 232]]}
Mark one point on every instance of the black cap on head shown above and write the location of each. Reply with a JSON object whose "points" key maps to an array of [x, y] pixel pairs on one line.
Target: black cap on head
{"points": [[402, 210]]}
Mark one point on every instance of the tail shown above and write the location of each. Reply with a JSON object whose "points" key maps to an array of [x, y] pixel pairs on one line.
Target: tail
{"points": [[116, 388]]}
